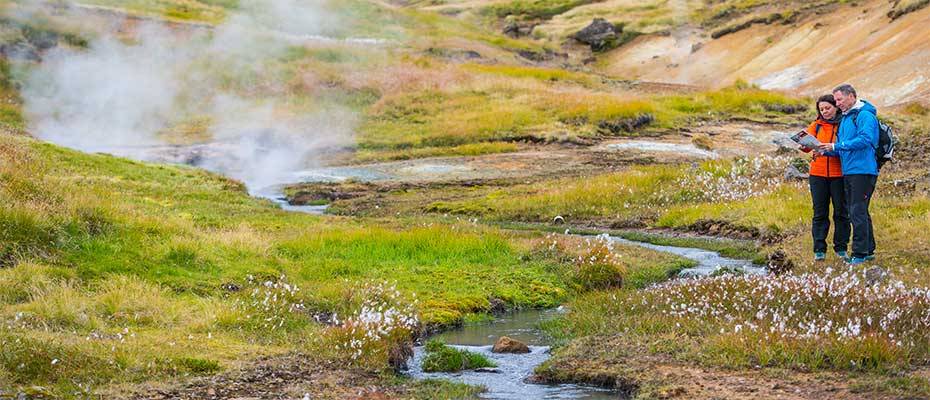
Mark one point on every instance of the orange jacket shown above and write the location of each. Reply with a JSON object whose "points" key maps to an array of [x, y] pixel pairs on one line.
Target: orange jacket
{"points": [[824, 166]]}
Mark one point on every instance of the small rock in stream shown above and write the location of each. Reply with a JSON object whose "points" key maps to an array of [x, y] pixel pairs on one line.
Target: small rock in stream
{"points": [[488, 370], [510, 346]]}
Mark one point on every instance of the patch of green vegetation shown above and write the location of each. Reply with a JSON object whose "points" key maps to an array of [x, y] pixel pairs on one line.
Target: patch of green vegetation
{"points": [[439, 27], [471, 149], [537, 73], [535, 9], [599, 267], [429, 389], [198, 366], [443, 358], [208, 11], [438, 119]]}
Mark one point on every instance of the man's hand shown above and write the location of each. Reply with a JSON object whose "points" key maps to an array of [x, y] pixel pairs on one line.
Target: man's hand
{"points": [[824, 147]]}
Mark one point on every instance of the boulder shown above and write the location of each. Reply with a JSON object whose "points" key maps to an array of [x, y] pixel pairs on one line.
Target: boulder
{"points": [[516, 29], [792, 173], [779, 263], [511, 27], [600, 35], [875, 275], [510, 346]]}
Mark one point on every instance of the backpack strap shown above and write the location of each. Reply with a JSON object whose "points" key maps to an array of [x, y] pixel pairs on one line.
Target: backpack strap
{"points": [[855, 117]]}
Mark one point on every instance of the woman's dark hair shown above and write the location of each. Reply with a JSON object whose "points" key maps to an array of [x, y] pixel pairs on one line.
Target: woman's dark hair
{"points": [[828, 98]]}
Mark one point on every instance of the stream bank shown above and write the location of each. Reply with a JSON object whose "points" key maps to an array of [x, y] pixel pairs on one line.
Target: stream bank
{"points": [[512, 379]]}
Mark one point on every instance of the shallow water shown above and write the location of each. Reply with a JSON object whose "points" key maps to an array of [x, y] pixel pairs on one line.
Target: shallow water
{"points": [[275, 194], [509, 382], [708, 261], [520, 325], [341, 174], [513, 369], [649, 146]]}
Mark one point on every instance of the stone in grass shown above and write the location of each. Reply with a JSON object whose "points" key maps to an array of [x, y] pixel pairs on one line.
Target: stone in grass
{"points": [[442, 358], [600, 35], [875, 276], [779, 263], [721, 271], [510, 346]]}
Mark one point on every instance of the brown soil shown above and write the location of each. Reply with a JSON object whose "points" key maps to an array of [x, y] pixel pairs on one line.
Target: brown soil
{"points": [[281, 377]]}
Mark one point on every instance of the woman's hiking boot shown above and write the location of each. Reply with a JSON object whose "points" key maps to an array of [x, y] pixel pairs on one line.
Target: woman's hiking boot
{"points": [[820, 256]]}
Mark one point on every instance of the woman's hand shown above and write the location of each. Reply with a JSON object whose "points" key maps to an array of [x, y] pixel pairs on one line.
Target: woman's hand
{"points": [[824, 147]]}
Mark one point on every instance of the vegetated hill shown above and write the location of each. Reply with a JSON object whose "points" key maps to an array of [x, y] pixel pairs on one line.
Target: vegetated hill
{"points": [[809, 47]]}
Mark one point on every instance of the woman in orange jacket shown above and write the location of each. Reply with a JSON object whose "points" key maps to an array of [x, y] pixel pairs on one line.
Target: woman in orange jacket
{"points": [[826, 183]]}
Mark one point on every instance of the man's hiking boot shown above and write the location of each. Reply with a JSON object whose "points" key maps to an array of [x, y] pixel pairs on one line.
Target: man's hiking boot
{"points": [[820, 256], [842, 254], [870, 257], [856, 260]]}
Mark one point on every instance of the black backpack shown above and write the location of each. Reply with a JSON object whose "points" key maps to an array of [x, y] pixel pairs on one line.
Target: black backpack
{"points": [[886, 142]]}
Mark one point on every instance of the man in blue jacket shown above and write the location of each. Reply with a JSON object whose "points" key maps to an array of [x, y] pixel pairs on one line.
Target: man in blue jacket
{"points": [[856, 142]]}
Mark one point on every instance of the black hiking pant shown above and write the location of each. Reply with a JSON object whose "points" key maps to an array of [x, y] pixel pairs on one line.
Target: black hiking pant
{"points": [[859, 190], [824, 192]]}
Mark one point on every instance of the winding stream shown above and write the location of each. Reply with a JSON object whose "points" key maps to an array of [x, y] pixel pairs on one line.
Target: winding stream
{"points": [[510, 379], [708, 261]]}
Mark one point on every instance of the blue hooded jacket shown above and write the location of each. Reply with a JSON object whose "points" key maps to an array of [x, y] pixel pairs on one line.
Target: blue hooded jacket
{"points": [[857, 140]]}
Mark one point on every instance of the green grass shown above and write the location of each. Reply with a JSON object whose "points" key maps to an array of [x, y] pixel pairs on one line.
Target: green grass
{"points": [[442, 358], [537, 73], [209, 11], [430, 389], [535, 9], [101, 247], [471, 149]]}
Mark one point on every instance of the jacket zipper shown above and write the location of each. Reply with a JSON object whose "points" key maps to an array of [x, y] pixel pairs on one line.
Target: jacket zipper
{"points": [[828, 158]]}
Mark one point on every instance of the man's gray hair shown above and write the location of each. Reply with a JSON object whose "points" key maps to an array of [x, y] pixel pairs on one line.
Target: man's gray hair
{"points": [[846, 89]]}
